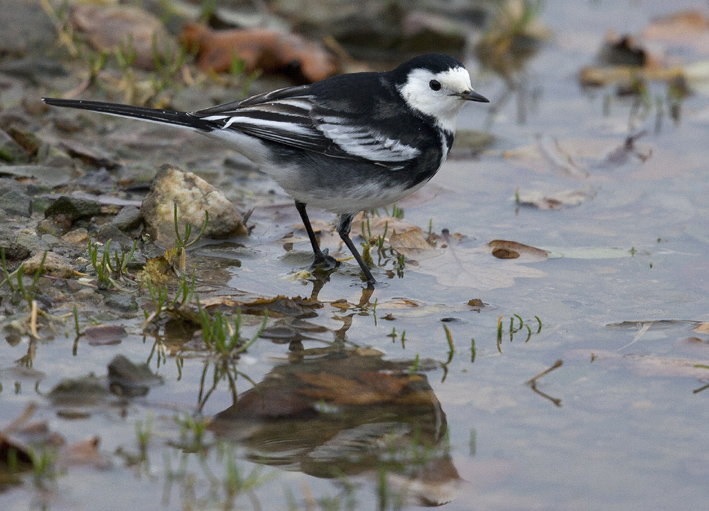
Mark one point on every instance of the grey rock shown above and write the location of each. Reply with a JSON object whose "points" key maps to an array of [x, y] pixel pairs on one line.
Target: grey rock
{"points": [[73, 208], [50, 175], [14, 251], [122, 302], [10, 151], [32, 242], [117, 237], [25, 28], [128, 218], [16, 203]]}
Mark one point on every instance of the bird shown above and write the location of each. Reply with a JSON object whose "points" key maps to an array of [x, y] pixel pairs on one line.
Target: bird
{"points": [[348, 143]]}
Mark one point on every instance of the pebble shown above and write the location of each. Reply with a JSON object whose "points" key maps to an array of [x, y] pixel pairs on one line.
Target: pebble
{"points": [[54, 264], [31, 241], [121, 301], [128, 218], [193, 196], [16, 203], [79, 235]]}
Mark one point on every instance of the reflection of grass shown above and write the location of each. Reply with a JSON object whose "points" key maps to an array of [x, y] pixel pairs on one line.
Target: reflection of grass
{"points": [[44, 465], [143, 433], [192, 431], [214, 478], [221, 337]]}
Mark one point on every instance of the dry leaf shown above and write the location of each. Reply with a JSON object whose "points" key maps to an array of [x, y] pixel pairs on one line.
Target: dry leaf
{"points": [[258, 48], [411, 243]]}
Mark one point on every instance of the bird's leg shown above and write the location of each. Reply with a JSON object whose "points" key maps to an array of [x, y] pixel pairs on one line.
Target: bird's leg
{"points": [[343, 229], [322, 258]]}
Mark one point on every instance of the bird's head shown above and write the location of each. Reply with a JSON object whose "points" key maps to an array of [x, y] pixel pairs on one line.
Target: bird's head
{"points": [[437, 86]]}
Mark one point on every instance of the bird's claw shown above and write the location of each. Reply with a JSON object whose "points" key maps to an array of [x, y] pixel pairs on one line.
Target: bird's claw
{"points": [[324, 262]]}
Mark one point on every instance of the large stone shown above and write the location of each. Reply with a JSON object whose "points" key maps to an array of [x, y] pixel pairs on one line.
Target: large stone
{"points": [[193, 196], [73, 208]]}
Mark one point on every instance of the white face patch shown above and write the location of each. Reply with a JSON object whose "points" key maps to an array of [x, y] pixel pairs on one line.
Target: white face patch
{"points": [[439, 104]]}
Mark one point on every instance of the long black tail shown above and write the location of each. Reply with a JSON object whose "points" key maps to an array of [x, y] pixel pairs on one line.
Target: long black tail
{"points": [[137, 112]]}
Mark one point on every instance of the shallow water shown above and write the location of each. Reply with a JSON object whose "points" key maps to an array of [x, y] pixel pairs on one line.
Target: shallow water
{"points": [[617, 426]]}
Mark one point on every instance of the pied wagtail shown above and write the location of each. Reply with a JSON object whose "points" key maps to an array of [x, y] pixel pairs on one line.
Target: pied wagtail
{"points": [[345, 144]]}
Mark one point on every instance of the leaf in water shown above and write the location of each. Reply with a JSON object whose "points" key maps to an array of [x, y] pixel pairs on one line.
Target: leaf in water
{"points": [[460, 266], [576, 157], [84, 453], [688, 30], [557, 199], [588, 253], [412, 244], [648, 365], [702, 328]]}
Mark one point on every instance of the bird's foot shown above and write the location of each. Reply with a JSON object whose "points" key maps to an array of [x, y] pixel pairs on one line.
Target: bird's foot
{"points": [[324, 262]]}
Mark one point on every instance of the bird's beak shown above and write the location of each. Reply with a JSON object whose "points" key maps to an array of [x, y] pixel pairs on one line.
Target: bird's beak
{"points": [[471, 95]]}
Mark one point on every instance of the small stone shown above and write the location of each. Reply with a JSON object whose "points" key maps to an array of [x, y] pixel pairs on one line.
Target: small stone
{"points": [[51, 239], [79, 235], [16, 203], [14, 251], [101, 335], [193, 196], [11, 151], [128, 218], [27, 140], [32, 242], [54, 264], [73, 208], [34, 105], [122, 302], [117, 237], [50, 226]]}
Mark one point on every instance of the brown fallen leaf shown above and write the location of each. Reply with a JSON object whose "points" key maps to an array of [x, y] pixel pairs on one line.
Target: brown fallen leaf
{"points": [[688, 29], [130, 28], [263, 49], [412, 244], [461, 266]]}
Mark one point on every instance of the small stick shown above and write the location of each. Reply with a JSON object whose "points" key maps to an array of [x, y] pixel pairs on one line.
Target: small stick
{"points": [[556, 365]]}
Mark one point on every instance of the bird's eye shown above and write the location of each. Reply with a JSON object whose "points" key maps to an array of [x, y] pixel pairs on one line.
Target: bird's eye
{"points": [[435, 85]]}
